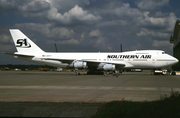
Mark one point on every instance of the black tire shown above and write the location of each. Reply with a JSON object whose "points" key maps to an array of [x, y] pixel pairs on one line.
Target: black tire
{"points": [[173, 73]]}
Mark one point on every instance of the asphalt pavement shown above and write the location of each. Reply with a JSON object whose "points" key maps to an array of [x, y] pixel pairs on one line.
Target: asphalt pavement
{"points": [[66, 87]]}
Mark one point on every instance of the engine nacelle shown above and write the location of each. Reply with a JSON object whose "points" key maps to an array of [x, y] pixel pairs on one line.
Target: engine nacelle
{"points": [[107, 67], [79, 65]]}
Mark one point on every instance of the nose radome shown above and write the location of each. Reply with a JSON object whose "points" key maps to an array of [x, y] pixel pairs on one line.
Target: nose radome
{"points": [[173, 61], [177, 60]]}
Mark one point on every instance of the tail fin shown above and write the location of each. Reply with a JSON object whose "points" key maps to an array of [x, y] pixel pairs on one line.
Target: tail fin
{"points": [[23, 43]]}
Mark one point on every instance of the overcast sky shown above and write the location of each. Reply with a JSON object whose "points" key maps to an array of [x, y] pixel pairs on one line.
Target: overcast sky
{"points": [[88, 25]]}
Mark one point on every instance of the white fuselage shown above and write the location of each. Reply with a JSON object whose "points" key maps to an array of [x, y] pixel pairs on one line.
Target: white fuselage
{"points": [[133, 59], [144, 59]]}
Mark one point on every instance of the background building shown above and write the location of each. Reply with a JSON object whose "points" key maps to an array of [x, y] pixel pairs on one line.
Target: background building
{"points": [[175, 38]]}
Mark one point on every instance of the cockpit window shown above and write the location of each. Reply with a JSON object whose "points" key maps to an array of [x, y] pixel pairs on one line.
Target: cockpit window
{"points": [[163, 52]]}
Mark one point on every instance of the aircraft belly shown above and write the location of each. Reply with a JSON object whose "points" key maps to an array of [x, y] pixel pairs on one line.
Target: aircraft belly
{"points": [[143, 64]]}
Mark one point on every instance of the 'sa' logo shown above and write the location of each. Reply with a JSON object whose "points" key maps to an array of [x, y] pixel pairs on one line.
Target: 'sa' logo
{"points": [[23, 43]]}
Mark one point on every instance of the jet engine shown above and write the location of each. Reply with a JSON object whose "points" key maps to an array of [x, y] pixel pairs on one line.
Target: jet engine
{"points": [[79, 65], [107, 67]]}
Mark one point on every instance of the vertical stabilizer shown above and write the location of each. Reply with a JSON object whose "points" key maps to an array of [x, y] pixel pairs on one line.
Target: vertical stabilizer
{"points": [[23, 44]]}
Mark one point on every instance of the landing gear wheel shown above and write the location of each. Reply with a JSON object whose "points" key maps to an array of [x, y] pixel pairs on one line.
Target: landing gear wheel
{"points": [[173, 73]]}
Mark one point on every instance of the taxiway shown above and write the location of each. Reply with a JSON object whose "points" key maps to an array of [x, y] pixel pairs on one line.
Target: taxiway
{"points": [[38, 86]]}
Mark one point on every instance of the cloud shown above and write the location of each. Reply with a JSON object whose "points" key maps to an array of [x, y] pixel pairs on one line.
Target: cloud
{"points": [[113, 23], [74, 15], [5, 39], [49, 33], [60, 33], [21, 6], [82, 36], [151, 4], [102, 42], [6, 43], [157, 43], [125, 15], [6, 48], [65, 5], [145, 32], [135, 47], [36, 6], [127, 11], [48, 30], [120, 12], [159, 26], [91, 25], [6, 5], [49, 11], [70, 41], [165, 22], [95, 33]]}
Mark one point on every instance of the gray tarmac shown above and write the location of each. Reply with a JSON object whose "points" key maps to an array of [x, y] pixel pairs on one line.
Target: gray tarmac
{"points": [[38, 86], [23, 91]]}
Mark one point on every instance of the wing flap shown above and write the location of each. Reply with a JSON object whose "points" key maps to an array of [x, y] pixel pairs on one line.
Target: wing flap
{"points": [[69, 61]]}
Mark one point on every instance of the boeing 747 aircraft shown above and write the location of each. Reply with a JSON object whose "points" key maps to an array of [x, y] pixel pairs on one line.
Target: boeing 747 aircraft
{"points": [[94, 62]]}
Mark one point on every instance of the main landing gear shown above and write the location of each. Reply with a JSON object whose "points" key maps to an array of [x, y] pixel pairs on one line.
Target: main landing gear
{"points": [[114, 73], [105, 73], [90, 72], [78, 72]]}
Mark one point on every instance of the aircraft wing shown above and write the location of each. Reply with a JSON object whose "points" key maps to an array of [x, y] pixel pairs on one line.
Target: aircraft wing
{"points": [[89, 62], [68, 61], [96, 63]]}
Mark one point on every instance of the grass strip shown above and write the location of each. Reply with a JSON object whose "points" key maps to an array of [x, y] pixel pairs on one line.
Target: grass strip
{"points": [[165, 107]]}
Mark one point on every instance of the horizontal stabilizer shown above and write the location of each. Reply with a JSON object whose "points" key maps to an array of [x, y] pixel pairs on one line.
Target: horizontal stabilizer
{"points": [[18, 54]]}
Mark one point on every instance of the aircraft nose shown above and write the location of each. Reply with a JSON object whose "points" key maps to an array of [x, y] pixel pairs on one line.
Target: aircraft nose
{"points": [[172, 61], [176, 60]]}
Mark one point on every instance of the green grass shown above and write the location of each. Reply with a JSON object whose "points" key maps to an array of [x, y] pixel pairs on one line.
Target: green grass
{"points": [[165, 107]]}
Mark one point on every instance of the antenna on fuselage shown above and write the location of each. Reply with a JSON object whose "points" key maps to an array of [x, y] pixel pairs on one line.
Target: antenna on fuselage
{"points": [[121, 47], [56, 47]]}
